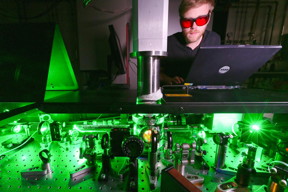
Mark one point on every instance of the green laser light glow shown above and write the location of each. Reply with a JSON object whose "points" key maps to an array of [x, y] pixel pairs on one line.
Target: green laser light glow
{"points": [[255, 127], [17, 129]]}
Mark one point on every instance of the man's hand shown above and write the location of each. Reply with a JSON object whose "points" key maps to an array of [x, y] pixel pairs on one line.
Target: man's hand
{"points": [[176, 80], [166, 80]]}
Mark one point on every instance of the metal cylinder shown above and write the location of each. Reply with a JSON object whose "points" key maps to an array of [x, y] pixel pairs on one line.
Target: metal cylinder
{"points": [[250, 159], [221, 140], [153, 154], [243, 175], [148, 76], [150, 30], [220, 156], [182, 169], [246, 169], [153, 163]]}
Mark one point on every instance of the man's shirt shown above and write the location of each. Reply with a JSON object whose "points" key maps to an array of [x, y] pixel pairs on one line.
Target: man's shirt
{"points": [[180, 57]]}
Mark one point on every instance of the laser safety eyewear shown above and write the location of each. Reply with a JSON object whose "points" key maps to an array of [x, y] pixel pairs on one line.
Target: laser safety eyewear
{"points": [[200, 21]]}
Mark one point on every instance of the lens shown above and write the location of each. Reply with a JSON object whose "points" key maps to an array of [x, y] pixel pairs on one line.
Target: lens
{"points": [[185, 23], [200, 21]]}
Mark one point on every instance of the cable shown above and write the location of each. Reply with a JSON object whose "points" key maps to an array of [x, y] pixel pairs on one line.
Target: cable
{"points": [[123, 165], [281, 162], [130, 61], [133, 63], [119, 12], [261, 188], [99, 116], [19, 145], [233, 129], [132, 69]]}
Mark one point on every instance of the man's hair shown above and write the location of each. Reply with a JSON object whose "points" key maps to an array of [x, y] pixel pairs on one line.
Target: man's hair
{"points": [[188, 4]]}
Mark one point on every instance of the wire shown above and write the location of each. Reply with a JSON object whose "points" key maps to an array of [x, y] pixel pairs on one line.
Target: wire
{"points": [[261, 188], [19, 145], [133, 63], [119, 12], [132, 69], [130, 61], [233, 129], [281, 162], [99, 116], [123, 165]]}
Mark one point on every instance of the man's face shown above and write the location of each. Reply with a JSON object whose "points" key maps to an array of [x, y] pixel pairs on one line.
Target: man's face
{"points": [[194, 33]]}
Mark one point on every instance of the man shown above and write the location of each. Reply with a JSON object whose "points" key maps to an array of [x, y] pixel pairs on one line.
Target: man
{"points": [[194, 18]]}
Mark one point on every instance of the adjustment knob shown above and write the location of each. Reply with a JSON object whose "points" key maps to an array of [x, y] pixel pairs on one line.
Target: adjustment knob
{"points": [[132, 147]]}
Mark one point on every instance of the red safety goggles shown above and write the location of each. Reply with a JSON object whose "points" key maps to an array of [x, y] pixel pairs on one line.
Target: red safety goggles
{"points": [[200, 21]]}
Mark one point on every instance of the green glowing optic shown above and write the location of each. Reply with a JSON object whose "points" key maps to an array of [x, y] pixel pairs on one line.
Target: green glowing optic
{"points": [[202, 134], [23, 157], [17, 129], [61, 76], [255, 127], [225, 122], [147, 135], [44, 127]]}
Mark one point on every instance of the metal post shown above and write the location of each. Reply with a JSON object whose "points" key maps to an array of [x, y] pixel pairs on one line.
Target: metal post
{"points": [[150, 26]]}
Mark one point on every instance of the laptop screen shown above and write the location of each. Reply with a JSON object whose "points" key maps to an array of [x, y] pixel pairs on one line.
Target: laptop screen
{"points": [[228, 65]]}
